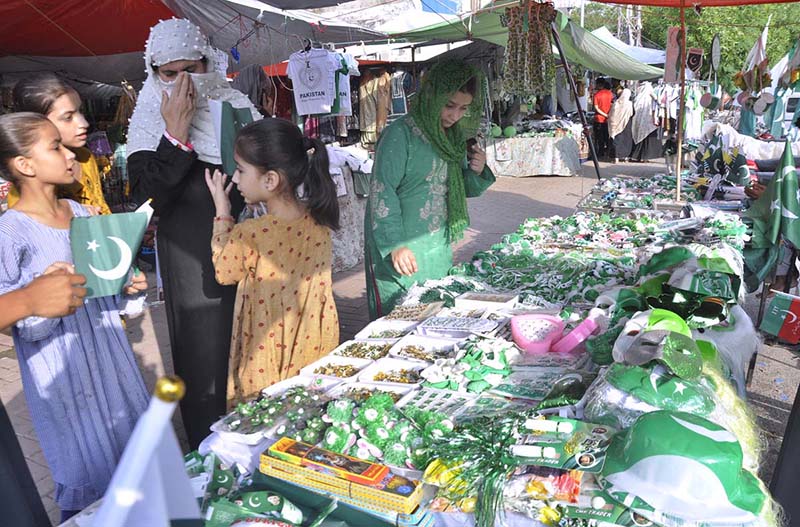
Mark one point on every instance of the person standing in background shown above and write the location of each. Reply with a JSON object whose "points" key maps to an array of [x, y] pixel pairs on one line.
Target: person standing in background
{"points": [[602, 107], [53, 97]]}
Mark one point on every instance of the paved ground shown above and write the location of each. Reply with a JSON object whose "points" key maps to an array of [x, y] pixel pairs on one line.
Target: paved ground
{"points": [[499, 211]]}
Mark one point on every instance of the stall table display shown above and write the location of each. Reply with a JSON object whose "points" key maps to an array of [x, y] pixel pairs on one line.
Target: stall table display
{"points": [[538, 155], [532, 380]]}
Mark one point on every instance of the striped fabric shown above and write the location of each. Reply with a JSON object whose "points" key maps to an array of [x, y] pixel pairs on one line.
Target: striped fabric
{"points": [[83, 387]]}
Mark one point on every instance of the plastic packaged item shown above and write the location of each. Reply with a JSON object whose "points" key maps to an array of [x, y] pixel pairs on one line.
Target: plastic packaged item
{"points": [[576, 337], [536, 333]]}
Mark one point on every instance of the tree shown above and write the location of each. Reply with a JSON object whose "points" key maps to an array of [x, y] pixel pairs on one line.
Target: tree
{"points": [[739, 28]]}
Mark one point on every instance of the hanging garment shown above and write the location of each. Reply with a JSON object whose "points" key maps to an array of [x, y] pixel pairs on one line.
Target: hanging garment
{"points": [[313, 78], [368, 105], [643, 120], [384, 101], [399, 103], [693, 129]]}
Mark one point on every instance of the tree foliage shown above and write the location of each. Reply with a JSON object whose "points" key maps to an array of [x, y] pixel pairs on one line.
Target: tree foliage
{"points": [[739, 28]]}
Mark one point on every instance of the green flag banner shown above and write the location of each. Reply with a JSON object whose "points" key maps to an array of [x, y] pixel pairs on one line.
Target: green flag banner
{"points": [[782, 318], [104, 248], [227, 122], [777, 211], [680, 469]]}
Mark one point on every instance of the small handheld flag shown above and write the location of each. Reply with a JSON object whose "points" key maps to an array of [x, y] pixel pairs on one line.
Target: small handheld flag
{"points": [[150, 485], [104, 248], [227, 122]]}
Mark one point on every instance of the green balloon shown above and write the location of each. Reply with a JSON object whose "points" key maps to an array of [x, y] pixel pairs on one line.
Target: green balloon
{"points": [[496, 131], [509, 131]]}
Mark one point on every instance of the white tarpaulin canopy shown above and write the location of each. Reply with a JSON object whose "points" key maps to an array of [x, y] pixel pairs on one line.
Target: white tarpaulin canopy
{"points": [[645, 55]]}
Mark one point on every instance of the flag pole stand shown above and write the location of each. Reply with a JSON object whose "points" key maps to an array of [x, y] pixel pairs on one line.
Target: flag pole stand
{"points": [[679, 135], [568, 72]]}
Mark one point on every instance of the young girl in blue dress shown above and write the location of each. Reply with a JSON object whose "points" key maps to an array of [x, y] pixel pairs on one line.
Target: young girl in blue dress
{"points": [[83, 387]]}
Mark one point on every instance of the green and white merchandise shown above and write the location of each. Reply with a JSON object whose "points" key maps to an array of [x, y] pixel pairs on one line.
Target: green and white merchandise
{"points": [[662, 336], [678, 469]]}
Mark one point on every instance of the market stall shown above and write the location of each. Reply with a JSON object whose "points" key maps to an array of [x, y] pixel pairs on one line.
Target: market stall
{"points": [[519, 383], [538, 155]]}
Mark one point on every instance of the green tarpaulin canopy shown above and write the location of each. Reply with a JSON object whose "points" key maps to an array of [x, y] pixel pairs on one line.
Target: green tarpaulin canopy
{"points": [[580, 46]]}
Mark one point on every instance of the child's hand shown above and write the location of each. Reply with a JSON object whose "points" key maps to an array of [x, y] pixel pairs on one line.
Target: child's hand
{"points": [[137, 285], [219, 192]]}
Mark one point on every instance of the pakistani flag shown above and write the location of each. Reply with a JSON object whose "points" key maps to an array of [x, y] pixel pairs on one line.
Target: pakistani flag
{"points": [[782, 319], [104, 248], [655, 386], [777, 211], [676, 468], [227, 122], [737, 171]]}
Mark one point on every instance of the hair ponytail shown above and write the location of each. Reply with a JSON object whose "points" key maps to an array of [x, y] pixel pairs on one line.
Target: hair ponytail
{"points": [[323, 203], [277, 144]]}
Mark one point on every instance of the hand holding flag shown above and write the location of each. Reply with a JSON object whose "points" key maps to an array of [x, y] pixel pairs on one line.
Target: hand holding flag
{"points": [[104, 248]]}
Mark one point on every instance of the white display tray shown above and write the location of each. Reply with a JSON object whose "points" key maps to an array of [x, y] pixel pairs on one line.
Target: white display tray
{"points": [[400, 389], [360, 364], [380, 325], [391, 364], [376, 342], [439, 347], [456, 327], [320, 383]]}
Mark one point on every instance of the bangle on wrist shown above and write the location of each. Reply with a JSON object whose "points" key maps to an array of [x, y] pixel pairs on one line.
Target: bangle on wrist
{"points": [[223, 218], [186, 147]]}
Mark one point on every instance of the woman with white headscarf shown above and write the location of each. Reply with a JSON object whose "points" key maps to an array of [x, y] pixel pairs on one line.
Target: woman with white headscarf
{"points": [[647, 145], [619, 125], [171, 143]]}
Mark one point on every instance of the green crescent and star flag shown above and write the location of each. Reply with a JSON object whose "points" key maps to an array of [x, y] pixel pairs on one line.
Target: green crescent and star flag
{"points": [[227, 122], [104, 248], [654, 385], [777, 211], [693, 478], [782, 318]]}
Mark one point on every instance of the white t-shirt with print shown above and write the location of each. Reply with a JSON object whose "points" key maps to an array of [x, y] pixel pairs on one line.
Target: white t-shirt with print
{"points": [[313, 80]]}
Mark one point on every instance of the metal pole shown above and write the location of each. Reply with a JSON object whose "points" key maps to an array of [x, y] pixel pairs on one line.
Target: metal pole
{"points": [[586, 130], [679, 138], [583, 11]]}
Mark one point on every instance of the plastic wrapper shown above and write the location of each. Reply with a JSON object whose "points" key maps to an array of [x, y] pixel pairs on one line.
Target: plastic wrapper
{"points": [[567, 391], [532, 488], [622, 393]]}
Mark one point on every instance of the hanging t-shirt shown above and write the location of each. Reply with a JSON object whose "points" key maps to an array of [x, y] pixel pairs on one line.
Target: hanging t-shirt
{"points": [[342, 105], [313, 79], [348, 66]]}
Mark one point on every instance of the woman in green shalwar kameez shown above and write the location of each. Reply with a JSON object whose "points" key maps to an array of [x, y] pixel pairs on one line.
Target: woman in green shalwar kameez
{"points": [[422, 175]]}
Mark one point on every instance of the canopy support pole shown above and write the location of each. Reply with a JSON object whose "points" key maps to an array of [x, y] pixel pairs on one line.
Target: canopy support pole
{"points": [[682, 102], [587, 131]]}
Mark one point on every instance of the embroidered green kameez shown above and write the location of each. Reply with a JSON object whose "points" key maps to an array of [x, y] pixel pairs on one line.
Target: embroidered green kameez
{"points": [[408, 208]]}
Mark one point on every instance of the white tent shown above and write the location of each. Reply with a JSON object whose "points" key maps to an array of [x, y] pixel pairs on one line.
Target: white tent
{"points": [[646, 55]]}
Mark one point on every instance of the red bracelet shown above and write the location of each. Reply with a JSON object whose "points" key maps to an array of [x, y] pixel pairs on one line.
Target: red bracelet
{"points": [[186, 147]]}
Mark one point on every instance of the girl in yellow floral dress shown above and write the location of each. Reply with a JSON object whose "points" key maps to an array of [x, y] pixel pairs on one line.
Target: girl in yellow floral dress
{"points": [[46, 94], [285, 317]]}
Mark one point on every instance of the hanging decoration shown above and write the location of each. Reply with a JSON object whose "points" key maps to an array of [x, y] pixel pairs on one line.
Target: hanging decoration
{"points": [[529, 66]]}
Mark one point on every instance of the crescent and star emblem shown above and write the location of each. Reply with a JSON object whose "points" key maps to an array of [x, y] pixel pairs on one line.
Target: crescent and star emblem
{"points": [[122, 267]]}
